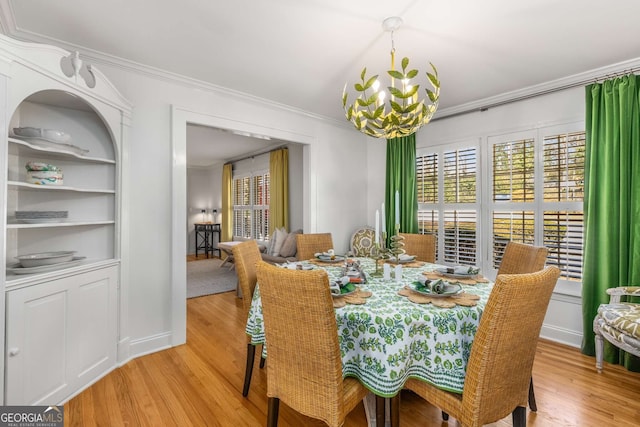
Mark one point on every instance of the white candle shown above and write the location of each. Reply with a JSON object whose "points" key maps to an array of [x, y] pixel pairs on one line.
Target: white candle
{"points": [[377, 227], [384, 223], [397, 208]]}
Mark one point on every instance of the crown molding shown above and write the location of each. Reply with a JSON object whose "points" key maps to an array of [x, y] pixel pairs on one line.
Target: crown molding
{"points": [[569, 82], [8, 27]]}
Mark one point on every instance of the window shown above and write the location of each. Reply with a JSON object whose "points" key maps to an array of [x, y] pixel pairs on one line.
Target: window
{"points": [[533, 194], [513, 181], [537, 193], [454, 215], [563, 197], [251, 206]]}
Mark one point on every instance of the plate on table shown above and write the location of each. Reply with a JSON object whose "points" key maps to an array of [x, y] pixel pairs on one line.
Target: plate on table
{"points": [[403, 259], [450, 289], [330, 259], [345, 290], [451, 273], [17, 268], [295, 266]]}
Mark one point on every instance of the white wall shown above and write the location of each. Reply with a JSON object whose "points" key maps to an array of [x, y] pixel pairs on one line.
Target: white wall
{"points": [[563, 322], [333, 187], [342, 183]]}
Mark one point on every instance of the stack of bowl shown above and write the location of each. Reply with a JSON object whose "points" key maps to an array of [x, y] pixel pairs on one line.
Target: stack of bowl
{"points": [[43, 174]]}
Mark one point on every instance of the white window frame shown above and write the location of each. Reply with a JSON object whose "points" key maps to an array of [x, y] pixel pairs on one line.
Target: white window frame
{"points": [[440, 206], [538, 206], [485, 206], [252, 207]]}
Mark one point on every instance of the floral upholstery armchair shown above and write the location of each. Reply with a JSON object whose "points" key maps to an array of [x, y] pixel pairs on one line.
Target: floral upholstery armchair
{"points": [[618, 322]]}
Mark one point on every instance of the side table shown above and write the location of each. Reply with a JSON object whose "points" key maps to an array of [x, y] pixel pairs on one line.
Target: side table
{"points": [[204, 238]]}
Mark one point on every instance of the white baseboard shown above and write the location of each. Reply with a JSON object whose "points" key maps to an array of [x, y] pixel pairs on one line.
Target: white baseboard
{"points": [[147, 345], [561, 335]]}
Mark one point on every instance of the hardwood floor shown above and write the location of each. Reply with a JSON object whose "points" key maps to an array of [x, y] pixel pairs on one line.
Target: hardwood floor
{"points": [[200, 383]]}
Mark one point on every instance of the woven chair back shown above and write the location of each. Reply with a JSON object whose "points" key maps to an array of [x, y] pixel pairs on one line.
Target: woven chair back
{"points": [[246, 255], [304, 368], [310, 244], [520, 258], [423, 246], [499, 367]]}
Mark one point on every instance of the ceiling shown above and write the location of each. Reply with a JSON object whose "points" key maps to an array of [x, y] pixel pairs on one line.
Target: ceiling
{"points": [[301, 53]]}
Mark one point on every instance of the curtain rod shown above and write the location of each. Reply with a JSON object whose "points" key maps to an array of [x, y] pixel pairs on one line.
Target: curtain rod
{"points": [[584, 82], [251, 156]]}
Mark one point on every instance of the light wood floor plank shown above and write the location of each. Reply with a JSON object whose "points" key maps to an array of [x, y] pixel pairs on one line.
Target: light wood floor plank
{"points": [[200, 383]]}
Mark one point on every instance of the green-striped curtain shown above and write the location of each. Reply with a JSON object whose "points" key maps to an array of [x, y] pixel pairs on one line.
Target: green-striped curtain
{"points": [[612, 201], [401, 177], [278, 190]]}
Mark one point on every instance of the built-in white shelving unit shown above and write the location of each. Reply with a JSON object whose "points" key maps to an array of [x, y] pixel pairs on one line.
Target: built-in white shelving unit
{"points": [[61, 324]]}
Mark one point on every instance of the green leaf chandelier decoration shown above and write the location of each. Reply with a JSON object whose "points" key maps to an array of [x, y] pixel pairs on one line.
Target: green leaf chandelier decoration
{"points": [[406, 114]]}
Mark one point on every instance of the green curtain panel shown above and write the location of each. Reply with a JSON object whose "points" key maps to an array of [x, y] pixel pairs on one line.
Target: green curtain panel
{"points": [[278, 190], [226, 227], [612, 201], [401, 177]]}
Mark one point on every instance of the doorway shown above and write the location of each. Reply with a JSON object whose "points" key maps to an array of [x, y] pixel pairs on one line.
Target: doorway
{"points": [[180, 119]]}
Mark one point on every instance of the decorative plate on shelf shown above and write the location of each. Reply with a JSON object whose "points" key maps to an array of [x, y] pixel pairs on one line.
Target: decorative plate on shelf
{"points": [[17, 268], [50, 144], [36, 217], [45, 258], [52, 135]]}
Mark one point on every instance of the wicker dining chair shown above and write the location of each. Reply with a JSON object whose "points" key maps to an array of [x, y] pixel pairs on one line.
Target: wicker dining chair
{"points": [[499, 367], [304, 368], [246, 255], [423, 246], [310, 244], [520, 258]]}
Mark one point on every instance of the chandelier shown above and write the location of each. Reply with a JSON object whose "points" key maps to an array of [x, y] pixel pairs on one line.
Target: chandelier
{"points": [[404, 114]]}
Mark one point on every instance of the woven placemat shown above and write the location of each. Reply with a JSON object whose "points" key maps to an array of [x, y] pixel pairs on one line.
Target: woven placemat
{"points": [[434, 275], [462, 299], [325, 263], [412, 264], [358, 297]]}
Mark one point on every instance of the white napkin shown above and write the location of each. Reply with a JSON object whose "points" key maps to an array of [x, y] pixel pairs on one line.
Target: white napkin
{"points": [[465, 269], [437, 286]]}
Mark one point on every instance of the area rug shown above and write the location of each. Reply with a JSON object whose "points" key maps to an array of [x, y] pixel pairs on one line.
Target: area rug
{"points": [[205, 277]]}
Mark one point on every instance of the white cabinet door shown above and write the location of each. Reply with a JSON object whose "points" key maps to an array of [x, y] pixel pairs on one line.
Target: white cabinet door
{"points": [[61, 336]]}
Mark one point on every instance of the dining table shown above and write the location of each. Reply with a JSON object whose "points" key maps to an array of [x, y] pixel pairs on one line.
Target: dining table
{"points": [[390, 336]]}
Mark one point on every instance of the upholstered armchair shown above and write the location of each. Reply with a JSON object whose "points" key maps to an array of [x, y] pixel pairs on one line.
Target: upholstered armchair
{"points": [[618, 322]]}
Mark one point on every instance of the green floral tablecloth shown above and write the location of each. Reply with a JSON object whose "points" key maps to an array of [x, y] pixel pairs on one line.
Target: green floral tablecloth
{"points": [[389, 339]]}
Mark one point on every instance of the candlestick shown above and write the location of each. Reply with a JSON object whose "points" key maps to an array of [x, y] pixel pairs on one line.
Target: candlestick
{"points": [[377, 226], [384, 223], [397, 207]]}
